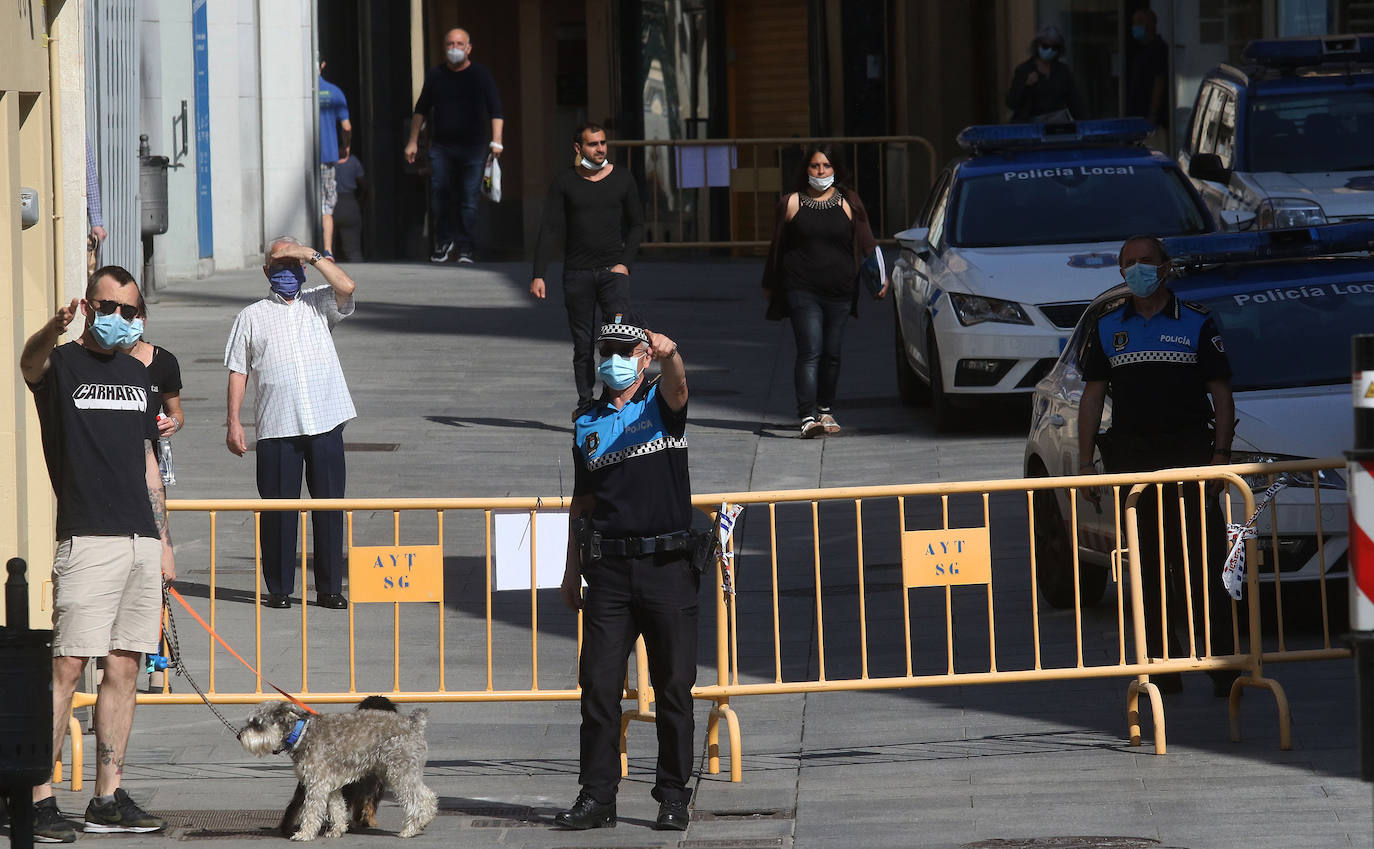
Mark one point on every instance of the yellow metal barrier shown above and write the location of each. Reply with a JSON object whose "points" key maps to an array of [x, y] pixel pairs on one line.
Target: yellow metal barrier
{"points": [[892, 174], [811, 555]]}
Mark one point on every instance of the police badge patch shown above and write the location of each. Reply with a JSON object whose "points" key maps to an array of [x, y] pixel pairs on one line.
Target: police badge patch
{"points": [[589, 444], [1217, 343], [1119, 340]]}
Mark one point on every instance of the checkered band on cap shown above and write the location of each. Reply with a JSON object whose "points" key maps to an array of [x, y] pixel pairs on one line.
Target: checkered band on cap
{"points": [[622, 329]]}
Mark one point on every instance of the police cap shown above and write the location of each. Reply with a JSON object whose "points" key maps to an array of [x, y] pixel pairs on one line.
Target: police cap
{"points": [[623, 327]]}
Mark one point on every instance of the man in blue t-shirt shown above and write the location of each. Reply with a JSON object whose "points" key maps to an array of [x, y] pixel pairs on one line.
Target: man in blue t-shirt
{"points": [[461, 94], [336, 134]]}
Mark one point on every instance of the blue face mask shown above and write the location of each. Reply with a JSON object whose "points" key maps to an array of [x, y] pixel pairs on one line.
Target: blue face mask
{"points": [[287, 281], [1047, 54], [1142, 279], [110, 330], [133, 331], [1138, 32], [618, 372]]}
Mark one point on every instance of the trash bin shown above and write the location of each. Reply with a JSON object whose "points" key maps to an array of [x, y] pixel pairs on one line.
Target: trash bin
{"points": [[26, 756]]}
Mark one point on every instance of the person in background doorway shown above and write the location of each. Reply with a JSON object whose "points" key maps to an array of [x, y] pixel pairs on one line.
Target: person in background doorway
{"points": [[459, 93], [348, 211], [336, 134], [812, 275], [1147, 76], [1042, 87]]}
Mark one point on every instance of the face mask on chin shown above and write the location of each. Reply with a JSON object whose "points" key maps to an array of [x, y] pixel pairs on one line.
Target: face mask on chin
{"points": [[287, 281], [592, 166], [1142, 279]]}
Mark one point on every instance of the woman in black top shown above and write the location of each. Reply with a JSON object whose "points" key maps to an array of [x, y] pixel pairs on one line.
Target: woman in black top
{"points": [[1042, 87], [822, 236], [164, 375]]}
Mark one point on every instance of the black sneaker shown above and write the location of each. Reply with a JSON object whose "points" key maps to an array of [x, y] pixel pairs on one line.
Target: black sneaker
{"points": [[465, 258], [443, 253], [49, 826], [120, 815]]}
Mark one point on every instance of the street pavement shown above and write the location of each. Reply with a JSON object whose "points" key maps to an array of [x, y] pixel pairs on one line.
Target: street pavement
{"points": [[463, 388]]}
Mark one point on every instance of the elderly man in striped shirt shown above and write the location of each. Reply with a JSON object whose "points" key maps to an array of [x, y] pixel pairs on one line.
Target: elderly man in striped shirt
{"points": [[285, 343]]}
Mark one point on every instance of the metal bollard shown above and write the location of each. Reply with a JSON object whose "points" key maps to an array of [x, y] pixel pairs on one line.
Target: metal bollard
{"points": [[1361, 484], [26, 756]]}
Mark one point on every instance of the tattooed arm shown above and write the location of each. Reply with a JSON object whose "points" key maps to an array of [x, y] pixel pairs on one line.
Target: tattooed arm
{"points": [[157, 497]]}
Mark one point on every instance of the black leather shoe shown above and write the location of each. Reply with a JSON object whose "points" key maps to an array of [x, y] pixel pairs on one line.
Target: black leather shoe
{"points": [[280, 601], [672, 816], [587, 813], [333, 601]]}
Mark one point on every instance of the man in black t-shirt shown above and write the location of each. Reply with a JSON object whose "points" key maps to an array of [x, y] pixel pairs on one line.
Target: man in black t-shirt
{"points": [[1147, 75], [460, 93], [631, 512], [1162, 358], [113, 547], [595, 207]]}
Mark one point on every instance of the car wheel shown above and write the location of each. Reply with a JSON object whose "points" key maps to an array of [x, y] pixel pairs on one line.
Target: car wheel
{"points": [[911, 391], [1054, 558], [946, 416]]}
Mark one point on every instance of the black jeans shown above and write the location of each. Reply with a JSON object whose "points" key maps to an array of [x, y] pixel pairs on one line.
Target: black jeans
{"points": [[455, 179], [348, 228], [584, 290], [280, 462], [654, 595], [818, 327]]}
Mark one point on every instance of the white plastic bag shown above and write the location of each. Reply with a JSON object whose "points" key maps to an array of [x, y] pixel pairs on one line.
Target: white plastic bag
{"points": [[491, 179], [1233, 571]]}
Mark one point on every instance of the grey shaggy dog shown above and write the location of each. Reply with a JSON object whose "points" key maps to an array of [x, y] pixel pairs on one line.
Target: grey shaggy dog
{"points": [[336, 749]]}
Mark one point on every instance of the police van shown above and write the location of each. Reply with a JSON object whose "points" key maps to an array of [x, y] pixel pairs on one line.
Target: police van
{"points": [[1287, 303], [1014, 240], [1284, 140]]}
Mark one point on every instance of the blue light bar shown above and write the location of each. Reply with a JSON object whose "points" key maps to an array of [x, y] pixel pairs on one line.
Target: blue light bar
{"points": [[1310, 50], [1295, 243], [983, 138]]}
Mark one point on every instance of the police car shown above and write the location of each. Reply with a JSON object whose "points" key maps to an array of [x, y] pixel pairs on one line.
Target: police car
{"points": [[1283, 141], [1015, 239], [1286, 308]]}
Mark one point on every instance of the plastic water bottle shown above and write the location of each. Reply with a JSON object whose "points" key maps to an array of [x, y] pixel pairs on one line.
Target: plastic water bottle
{"points": [[164, 458]]}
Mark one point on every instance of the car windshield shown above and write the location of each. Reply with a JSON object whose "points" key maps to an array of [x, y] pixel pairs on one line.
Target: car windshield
{"points": [[1291, 335], [1062, 204], [1301, 133]]}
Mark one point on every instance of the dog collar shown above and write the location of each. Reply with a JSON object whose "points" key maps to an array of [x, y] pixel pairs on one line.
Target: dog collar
{"points": [[294, 737]]}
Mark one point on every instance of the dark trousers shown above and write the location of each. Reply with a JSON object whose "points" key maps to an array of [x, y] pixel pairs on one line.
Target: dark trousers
{"points": [[280, 462], [348, 228], [818, 327], [584, 290], [656, 596], [455, 180], [1119, 456]]}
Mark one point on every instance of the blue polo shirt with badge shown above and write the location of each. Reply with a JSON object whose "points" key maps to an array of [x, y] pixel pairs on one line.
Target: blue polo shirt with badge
{"points": [[634, 461], [1157, 368]]}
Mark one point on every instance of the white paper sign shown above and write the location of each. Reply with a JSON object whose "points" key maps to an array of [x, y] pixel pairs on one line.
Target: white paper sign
{"points": [[513, 532]]}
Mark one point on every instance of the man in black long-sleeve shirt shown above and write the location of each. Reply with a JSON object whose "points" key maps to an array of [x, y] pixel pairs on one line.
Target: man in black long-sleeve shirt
{"points": [[459, 92], [595, 205]]}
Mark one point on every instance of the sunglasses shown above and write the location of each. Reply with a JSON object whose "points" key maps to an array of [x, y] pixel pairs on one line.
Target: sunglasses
{"points": [[128, 312], [626, 349]]}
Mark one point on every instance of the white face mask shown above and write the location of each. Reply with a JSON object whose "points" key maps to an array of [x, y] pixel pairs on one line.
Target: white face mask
{"points": [[820, 184], [593, 166], [456, 55]]}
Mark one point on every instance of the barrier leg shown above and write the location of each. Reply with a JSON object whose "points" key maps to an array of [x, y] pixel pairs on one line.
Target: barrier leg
{"points": [[1280, 701], [78, 752], [736, 755], [1156, 712], [713, 740], [625, 719]]}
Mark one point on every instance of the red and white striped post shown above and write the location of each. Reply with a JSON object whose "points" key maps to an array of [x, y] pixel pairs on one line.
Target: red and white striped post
{"points": [[1361, 476]]}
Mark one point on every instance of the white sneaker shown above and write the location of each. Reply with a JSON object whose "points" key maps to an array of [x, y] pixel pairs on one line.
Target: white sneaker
{"points": [[829, 424]]}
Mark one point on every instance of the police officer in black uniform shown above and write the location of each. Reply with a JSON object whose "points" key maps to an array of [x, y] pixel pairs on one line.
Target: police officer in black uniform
{"points": [[631, 513], [1162, 358]]}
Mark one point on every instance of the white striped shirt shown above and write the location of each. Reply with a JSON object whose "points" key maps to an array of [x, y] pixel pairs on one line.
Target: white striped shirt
{"points": [[287, 350]]}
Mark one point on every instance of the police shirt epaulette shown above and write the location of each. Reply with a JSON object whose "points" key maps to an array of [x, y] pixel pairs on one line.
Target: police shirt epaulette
{"points": [[1196, 307], [1116, 304]]}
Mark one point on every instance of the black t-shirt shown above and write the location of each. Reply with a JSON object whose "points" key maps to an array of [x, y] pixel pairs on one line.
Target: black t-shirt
{"points": [[601, 221], [95, 413], [1046, 95], [1158, 369], [164, 374], [464, 102], [818, 251], [1148, 62], [634, 461]]}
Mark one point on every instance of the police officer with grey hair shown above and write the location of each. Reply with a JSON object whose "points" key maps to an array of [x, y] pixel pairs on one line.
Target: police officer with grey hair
{"points": [[631, 514]]}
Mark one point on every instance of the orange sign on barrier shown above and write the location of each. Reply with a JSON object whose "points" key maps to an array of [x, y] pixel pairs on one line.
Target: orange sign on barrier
{"points": [[396, 573], [946, 557]]}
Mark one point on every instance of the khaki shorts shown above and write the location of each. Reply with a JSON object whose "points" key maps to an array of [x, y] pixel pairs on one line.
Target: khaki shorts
{"points": [[107, 594]]}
